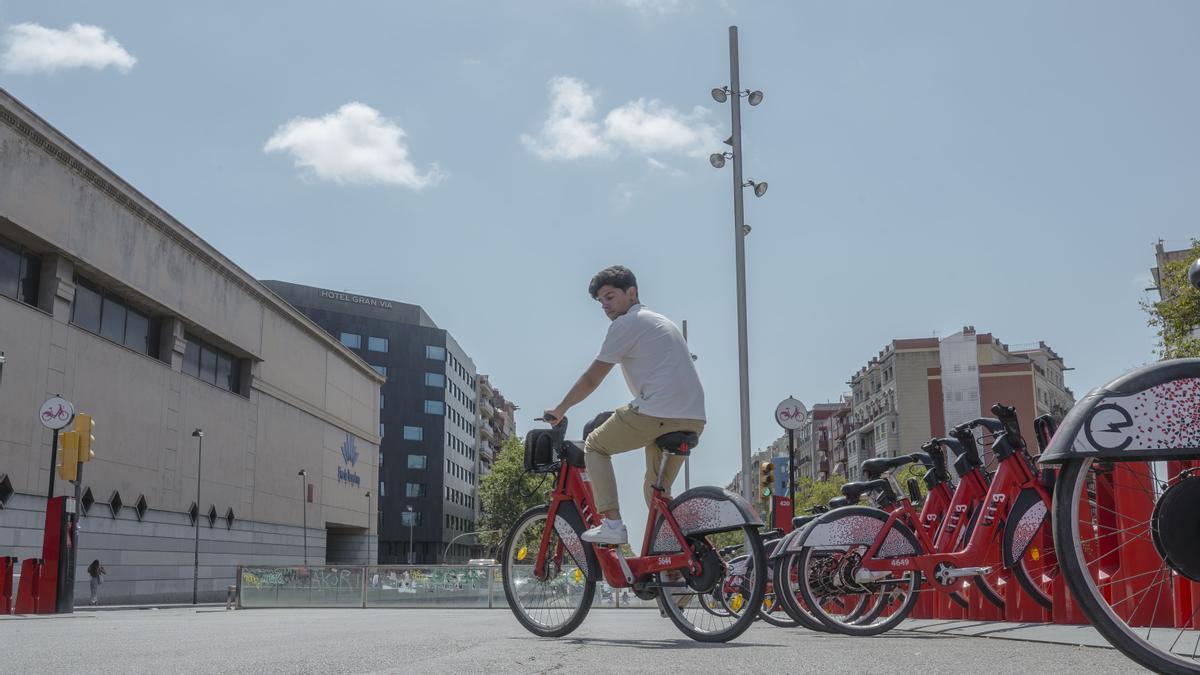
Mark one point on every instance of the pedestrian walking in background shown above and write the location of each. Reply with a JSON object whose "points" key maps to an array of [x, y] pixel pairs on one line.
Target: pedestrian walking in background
{"points": [[96, 571]]}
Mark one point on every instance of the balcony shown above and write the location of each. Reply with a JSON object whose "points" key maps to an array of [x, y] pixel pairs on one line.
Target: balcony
{"points": [[488, 434], [485, 387], [486, 407]]}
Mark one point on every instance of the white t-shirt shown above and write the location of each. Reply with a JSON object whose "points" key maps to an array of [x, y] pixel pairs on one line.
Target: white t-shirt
{"points": [[657, 365]]}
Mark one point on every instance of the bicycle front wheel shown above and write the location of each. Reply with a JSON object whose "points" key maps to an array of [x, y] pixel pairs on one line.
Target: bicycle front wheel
{"points": [[555, 602], [1114, 555], [740, 587]]}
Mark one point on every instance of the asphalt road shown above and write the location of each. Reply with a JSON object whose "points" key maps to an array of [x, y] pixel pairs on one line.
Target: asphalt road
{"points": [[476, 641]]}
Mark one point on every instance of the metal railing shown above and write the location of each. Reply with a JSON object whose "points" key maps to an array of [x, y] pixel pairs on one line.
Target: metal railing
{"points": [[397, 586]]}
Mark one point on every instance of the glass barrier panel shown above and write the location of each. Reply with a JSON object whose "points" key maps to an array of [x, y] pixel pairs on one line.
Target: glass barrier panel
{"points": [[324, 586]]}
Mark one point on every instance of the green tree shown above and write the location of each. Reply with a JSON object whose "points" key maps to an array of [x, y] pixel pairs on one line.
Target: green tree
{"points": [[810, 492], [507, 492], [1179, 314]]}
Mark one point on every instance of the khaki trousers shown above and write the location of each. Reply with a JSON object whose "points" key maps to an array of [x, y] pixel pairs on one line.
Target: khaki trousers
{"points": [[627, 430]]}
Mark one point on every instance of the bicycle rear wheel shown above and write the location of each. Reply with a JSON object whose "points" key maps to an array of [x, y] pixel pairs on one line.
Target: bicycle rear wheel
{"points": [[554, 603], [787, 591], [1127, 552], [744, 586], [891, 598]]}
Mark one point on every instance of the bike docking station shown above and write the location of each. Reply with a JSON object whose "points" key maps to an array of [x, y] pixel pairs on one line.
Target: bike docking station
{"points": [[47, 584]]}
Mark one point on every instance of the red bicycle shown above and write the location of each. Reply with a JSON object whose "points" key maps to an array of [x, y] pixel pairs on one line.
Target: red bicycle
{"points": [[550, 573], [876, 552]]}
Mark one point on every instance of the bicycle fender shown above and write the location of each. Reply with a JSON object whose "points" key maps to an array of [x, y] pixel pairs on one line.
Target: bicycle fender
{"points": [[569, 526], [1024, 520], [857, 525], [704, 510], [1144, 414]]}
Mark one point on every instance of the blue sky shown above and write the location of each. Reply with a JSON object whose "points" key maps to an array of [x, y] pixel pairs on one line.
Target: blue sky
{"points": [[932, 164]]}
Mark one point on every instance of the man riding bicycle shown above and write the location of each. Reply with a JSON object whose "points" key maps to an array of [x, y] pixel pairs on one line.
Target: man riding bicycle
{"points": [[667, 396]]}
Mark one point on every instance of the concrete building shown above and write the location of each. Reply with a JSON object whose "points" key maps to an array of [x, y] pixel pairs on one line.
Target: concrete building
{"points": [[819, 451], [124, 311], [497, 422], [918, 388], [429, 419], [1162, 257]]}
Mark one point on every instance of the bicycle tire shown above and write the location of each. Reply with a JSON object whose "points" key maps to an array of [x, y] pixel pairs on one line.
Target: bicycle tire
{"points": [[512, 554], [860, 627], [776, 615], [788, 595], [1073, 475], [675, 603]]}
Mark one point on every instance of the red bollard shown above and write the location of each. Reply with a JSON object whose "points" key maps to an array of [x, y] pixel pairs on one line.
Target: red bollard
{"points": [[7, 564], [29, 591]]}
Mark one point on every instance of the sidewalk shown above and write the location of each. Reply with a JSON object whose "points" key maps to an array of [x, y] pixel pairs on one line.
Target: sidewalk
{"points": [[87, 610], [1048, 633]]}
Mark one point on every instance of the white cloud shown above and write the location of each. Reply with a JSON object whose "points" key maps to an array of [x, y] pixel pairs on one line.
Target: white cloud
{"points": [[663, 166], [640, 126], [353, 145], [568, 132], [654, 6], [622, 196], [32, 48], [652, 127]]}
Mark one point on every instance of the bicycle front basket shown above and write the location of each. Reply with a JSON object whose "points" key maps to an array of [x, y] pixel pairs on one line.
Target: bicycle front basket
{"points": [[539, 450]]}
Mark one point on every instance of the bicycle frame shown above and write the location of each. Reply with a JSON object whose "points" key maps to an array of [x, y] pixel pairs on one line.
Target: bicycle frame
{"points": [[619, 572], [1013, 475]]}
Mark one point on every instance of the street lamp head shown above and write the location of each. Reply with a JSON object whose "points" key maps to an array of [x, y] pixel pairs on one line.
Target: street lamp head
{"points": [[198, 433], [302, 472], [719, 94], [408, 507], [368, 494], [760, 189], [717, 159], [755, 97]]}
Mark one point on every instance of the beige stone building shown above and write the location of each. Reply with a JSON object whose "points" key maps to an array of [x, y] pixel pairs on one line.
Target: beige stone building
{"points": [[915, 389], [112, 303]]}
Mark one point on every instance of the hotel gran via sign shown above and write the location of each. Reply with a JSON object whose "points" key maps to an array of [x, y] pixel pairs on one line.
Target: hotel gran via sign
{"points": [[356, 299]]}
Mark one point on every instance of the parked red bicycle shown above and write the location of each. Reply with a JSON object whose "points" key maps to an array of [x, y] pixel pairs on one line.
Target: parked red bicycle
{"points": [[550, 574], [884, 554]]}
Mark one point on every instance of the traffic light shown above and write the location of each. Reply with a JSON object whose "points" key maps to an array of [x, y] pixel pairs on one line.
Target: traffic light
{"points": [[766, 478], [68, 455], [85, 426]]}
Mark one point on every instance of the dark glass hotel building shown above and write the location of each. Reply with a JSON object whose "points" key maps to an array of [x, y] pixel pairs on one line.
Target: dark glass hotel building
{"points": [[427, 419]]}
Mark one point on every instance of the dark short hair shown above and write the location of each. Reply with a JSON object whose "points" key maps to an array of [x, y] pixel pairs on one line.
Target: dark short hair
{"points": [[616, 276]]}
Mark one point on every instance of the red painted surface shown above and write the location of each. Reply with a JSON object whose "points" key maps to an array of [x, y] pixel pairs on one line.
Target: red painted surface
{"points": [[51, 551], [28, 591], [7, 568], [784, 510]]}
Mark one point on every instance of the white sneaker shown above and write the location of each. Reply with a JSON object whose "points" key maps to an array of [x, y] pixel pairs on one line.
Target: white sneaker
{"points": [[609, 536]]}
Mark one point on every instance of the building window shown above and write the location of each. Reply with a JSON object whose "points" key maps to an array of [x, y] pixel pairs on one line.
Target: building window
{"points": [[19, 273], [435, 407], [417, 461], [214, 366], [410, 518], [381, 429], [382, 492], [377, 344], [435, 380], [435, 353], [98, 311], [414, 433], [414, 489], [382, 370], [352, 340], [381, 400]]}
